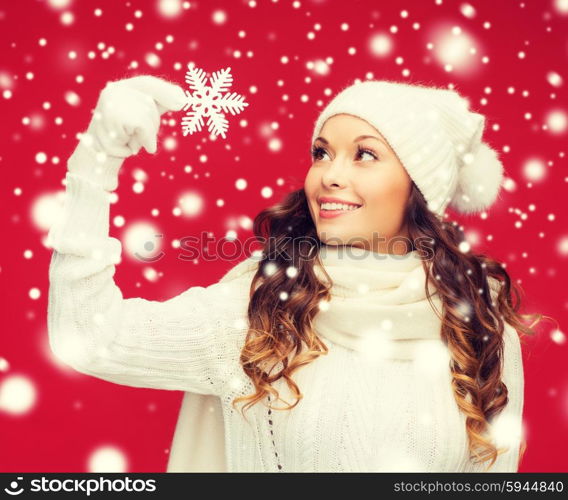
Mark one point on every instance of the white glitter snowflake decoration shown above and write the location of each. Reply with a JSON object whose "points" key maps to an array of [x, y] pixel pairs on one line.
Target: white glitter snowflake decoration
{"points": [[209, 101]]}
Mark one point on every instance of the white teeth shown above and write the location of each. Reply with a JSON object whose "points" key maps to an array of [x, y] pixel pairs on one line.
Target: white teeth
{"points": [[338, 206]]}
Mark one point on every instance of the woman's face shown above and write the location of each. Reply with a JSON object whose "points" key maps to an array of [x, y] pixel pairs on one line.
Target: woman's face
{"points": [[361, 171]]}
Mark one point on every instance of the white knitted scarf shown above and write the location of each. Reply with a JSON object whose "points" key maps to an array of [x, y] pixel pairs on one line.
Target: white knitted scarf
{"points": [[378, 302], [378, 306]]}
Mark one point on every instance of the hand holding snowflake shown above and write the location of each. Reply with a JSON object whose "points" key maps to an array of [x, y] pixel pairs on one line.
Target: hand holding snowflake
{"points": [[127, 115], [210, 101]]}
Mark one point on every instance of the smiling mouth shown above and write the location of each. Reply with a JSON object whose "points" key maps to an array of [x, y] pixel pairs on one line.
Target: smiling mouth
{"points": [[336, 211], [346, 210], [338, 207]]}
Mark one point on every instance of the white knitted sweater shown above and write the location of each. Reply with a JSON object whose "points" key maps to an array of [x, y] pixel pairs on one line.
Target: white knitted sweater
{"points": [[356, 415]]}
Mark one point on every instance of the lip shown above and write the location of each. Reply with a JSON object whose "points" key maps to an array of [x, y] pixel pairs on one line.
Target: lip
{"points": [[331, 199], [330, 214]]}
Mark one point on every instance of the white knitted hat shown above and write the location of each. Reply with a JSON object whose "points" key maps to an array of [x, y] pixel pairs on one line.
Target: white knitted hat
{"points": [[435, 136]]}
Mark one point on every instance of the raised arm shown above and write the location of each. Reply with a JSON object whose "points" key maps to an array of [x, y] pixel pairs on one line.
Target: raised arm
{"points": [[187, 343]]}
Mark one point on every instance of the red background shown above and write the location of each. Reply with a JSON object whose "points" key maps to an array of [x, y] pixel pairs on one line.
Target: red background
{"points": [[73, 415]]}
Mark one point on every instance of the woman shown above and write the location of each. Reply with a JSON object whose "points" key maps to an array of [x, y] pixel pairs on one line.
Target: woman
{"points": [[366, 336]]}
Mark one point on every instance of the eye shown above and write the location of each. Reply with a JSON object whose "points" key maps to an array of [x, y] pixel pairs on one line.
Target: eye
{"points": [[362, 151], [317, 151]]}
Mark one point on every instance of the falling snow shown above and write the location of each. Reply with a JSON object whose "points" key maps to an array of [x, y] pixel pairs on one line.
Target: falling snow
{"points": [[510, 62]]}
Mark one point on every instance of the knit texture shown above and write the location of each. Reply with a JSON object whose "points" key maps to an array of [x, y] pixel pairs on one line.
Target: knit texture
{"points": [[377, 300], [357, 414]]}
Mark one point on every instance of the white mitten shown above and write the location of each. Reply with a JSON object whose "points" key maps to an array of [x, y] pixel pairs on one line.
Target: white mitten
{"points": [[126, 118]]}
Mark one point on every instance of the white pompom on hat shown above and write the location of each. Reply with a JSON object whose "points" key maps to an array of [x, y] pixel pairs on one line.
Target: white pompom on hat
{"points": [[434, 134]]}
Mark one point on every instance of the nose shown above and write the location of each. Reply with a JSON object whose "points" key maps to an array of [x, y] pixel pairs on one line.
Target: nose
{"points": [[335, 173]]}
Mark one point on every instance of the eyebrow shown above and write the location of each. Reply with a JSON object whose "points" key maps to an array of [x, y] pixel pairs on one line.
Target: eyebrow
{"points": [[356, 139]]}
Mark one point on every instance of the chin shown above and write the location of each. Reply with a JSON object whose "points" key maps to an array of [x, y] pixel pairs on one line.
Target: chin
{"points": [[333, 239]]}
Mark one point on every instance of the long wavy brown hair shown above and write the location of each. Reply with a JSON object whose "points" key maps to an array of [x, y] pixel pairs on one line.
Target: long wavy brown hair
{"points": [[281, 339]]}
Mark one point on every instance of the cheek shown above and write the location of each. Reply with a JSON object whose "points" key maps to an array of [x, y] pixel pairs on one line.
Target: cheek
{"points": [[310, 186], [386, 192], [311, 182]]}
